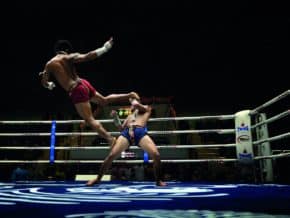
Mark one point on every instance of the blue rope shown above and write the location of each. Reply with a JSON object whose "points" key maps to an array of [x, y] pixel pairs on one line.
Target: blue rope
{"points": [[146, 157], [52, 142]]}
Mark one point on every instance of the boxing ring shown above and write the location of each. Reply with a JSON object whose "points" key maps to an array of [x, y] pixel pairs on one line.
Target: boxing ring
{"points": [[254, 146]]}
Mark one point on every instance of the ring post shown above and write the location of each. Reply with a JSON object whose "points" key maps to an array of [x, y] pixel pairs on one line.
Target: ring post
{"points": [[244, 145], [264, 149], [52, 142]]}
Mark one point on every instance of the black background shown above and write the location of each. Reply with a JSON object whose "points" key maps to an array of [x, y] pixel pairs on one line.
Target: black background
{"points": [[210, 56]]}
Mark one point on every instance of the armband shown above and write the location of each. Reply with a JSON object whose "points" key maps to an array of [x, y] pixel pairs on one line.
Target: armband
{"points": [[50, 85], [106, 47], [101, 51]]}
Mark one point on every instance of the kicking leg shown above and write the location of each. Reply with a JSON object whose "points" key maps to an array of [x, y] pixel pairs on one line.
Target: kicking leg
{"points": [[85, 111], [112, 98]]}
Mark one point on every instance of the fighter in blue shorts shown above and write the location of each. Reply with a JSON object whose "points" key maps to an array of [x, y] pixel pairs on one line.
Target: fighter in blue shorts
{"points": [[133, 132], [138, 132]]}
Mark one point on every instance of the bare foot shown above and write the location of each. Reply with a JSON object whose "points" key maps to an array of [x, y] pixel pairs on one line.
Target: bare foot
{"points": [[160, 183], [92, 182]]}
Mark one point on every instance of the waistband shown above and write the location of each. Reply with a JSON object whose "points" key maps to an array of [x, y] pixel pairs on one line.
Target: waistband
{"points": [[75, 84], [135, 126]]}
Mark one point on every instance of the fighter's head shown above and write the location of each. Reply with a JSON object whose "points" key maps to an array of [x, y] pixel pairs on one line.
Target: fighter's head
{"points": [[62, 46]]}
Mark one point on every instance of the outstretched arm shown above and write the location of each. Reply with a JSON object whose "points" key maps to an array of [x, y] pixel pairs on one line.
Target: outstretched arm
{"points": [[116, 119], [77, 57], [138, 107], [135, 104], [45, 79]]}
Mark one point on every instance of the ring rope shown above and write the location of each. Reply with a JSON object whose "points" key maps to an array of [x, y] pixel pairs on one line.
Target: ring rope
{"points": [[272, 101], [272, 119], [165, 132], [219, 131], [107, 147], [142, 161], [273, 156], [274, 138], [119, 161], [219, 117], [280, 150]]}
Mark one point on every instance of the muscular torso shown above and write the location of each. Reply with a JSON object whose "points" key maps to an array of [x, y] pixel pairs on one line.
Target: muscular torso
{"points": [[63, 70], [139, 119]]}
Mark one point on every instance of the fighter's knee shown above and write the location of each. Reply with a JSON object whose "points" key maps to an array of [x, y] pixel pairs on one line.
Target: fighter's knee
{"points": [[111, 156], [156, 155]]}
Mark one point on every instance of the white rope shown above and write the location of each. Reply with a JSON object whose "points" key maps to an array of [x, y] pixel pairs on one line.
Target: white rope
{"points": [[280, 150], [219, 117], [279, 97], [274, 138], [273, 156], [198, 160], [25, 134], [272, 119], [47, 121], [219, 131], [119, 161], [150, 161], [165, 132], [108, 147]]}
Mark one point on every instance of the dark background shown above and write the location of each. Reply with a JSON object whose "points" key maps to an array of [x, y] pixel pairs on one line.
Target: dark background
{"points": [[212, 57]]}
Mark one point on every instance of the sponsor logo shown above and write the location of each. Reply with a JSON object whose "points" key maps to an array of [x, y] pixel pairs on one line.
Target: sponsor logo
{"points": [[243, 128], [243, 138], [247, 156], [112, 193]]}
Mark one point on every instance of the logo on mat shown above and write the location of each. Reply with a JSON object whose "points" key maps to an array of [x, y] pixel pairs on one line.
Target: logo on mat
{"points": [[66, 194]]}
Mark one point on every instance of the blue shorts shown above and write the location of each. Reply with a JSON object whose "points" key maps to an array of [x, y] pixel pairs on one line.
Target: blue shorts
{"points": [[139, 133]]}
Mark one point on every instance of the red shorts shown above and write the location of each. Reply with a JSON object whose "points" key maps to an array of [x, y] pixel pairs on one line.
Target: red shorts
{"points": [[83, 92]]}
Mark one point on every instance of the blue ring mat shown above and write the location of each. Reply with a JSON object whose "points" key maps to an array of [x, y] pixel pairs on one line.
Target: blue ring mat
{"points": [[55, 199]]}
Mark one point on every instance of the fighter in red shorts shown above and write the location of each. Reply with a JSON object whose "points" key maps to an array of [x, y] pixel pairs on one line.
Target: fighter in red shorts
{"points": [[62, 67]]}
